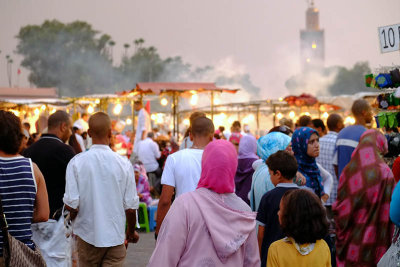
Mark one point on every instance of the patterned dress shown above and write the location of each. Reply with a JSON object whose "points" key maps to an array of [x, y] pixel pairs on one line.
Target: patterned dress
{"points": [[361, 210]]}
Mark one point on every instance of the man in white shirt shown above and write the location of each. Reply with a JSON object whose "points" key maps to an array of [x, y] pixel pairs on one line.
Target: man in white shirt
{"points": [[183, 168], [101, 195], [143, 124], [78, 130], [149, 152]]}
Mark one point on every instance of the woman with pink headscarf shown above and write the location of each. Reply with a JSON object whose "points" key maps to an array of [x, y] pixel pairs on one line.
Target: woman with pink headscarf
{"points": [[210, 226]]}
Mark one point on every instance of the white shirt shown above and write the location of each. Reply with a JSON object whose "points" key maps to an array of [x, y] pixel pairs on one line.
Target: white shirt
{"points": [[182, 170], [101, 184], [143, 124], [79, 138], [327, 179], [148, 153]]}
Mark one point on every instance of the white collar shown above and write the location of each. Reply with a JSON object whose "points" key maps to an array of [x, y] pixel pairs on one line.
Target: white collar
{"points": [[287, 185]]}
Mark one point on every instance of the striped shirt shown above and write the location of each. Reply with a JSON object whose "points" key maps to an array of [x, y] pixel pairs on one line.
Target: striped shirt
{"points": [[18, 193], [327, 149]]}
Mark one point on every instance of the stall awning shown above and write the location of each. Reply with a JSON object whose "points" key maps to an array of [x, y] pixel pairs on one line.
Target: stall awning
{"points": [[160, 88], [27, 93]]}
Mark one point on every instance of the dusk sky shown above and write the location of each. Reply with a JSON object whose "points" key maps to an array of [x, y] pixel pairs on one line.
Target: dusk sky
{"points": [[237, 36]]}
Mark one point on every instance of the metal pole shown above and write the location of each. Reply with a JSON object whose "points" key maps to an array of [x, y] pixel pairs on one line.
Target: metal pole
{"points": [[174, 113], [133, 114], [258, 119], [274, 114], [212, 106], [177, 118]]}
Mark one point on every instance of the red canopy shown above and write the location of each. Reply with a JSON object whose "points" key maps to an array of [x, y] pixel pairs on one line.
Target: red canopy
{"points": [[160, 88]]}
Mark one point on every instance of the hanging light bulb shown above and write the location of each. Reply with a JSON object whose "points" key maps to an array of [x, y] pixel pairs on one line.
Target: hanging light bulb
{"points": [[128, 121], [36, 111], [97, 101], [194, 99], [117, 109], [53, 110], [279, 116], [186, 122], [90, 109], [43, 107], [164, 101], [217, 101], [325, 115], [153, 117], [292, 114], [251, 117]]}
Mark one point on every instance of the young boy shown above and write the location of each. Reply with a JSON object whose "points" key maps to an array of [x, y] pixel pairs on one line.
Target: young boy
{"points": [[282, 169]]}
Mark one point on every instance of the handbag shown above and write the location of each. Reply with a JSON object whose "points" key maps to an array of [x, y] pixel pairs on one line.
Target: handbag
{"points": [[16, 253], [392, 255]]}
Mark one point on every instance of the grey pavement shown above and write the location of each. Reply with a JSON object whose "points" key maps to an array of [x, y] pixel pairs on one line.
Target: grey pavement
{"points": [[138, 255]]}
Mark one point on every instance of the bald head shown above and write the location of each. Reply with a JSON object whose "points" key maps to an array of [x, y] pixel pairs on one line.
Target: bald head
{"points": [[359, 107], [99, 125], [362, 111]]}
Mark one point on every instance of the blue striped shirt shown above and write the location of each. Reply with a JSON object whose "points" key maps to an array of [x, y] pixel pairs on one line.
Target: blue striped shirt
{"points": [[18, 193]]}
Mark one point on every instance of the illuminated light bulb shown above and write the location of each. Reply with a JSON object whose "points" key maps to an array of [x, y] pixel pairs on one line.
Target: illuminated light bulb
{"points": [[164, 102], [117, 109], [90, 109], [307, 113], [279, 116], [292, 114], [186, 122], [43, 107], [281, 99], [223, 115], [128, 121], [16, 112], [325, 115], [194, 99], [36, 111], [97, 101], [314, 46], [217, 101], [153, 117], [308, 60], [53, 110], [251, 117]]}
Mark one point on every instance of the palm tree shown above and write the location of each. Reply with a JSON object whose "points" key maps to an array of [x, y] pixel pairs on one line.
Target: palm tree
{"points": [[111, 44], [126, 46]]}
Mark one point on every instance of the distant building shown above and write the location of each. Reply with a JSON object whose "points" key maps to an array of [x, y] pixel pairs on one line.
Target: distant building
{"points": [[312, 41]]}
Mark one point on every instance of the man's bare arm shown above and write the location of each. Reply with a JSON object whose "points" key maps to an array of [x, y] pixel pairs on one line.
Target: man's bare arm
{"points": [[164, 204]]}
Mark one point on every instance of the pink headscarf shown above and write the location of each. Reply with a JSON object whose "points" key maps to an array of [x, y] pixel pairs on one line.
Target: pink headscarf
{"points": [[218, 167]]}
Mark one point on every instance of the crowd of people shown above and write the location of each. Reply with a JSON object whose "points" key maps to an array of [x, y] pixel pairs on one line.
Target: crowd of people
{"points": [[304, 194]]}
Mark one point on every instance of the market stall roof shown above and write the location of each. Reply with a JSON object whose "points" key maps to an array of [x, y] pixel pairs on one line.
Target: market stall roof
{"points": [[9, 103], [160, 88], [27, 93]]}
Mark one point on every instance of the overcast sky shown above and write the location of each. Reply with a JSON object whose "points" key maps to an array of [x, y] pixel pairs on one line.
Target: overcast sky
{"points": [[260, 37]]}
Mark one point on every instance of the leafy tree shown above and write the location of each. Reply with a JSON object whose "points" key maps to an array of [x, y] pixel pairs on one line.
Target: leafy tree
{"points": [[69, 56], [335, 80]]}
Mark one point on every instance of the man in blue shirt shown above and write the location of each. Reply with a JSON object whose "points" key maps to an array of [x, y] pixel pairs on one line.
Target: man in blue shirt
{"points": [[349, 137]]}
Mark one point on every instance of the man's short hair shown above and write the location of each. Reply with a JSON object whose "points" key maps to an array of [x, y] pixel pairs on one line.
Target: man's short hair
{"points": [[150, 134], [333, 121], [57, 118], [196, 115], [202, 126], [284, 162], [10, 132], [138, 102], [304, 121], [318, 123], [99, 124], [359, 107]]}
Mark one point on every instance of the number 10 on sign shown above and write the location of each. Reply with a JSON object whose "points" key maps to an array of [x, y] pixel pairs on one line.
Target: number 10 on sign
{"points": [[390, 38]]}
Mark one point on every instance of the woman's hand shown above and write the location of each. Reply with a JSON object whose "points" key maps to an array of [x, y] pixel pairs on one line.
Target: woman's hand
{"points": [[300, 180], [325, 197]]}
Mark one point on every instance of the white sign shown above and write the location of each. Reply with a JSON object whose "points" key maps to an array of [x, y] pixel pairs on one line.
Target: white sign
{"points": [[390, 38]]}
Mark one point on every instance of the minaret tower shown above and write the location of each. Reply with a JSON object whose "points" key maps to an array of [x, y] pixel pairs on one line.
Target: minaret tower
{"points": [[312, 44]]}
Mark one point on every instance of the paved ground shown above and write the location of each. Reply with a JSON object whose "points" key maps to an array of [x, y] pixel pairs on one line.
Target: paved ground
{"points": [[138, 255]]}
